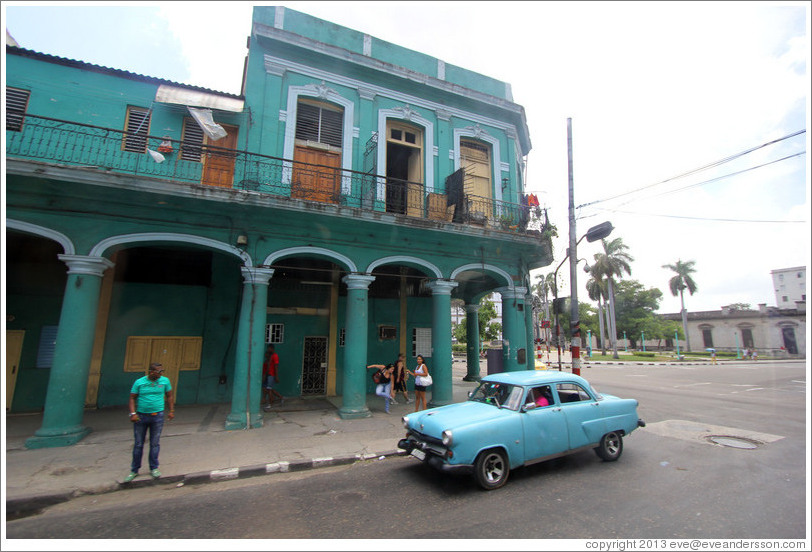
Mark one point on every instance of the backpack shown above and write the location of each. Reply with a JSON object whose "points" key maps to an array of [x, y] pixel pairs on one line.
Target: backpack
{"points": [[377, 376]]}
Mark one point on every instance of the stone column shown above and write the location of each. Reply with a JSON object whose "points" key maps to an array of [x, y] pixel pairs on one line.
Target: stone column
{"points": [[513, 333], [472, 347], [356, 330], [246, 391], [440, 370], [529, 326], [67, 384]]}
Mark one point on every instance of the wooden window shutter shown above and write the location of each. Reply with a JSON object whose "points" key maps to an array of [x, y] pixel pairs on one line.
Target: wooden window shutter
{"points": [[315, 123], [136, 130], [136, 359], [16, 107], [190, 353], [192, 146]]}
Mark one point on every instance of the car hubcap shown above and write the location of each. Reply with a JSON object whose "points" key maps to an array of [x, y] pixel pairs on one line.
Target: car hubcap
{"points": [[494, 468], [612, 445]]}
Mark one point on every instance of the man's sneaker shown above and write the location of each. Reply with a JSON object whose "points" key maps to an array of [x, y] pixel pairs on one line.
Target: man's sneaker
{"points": [[266, 408], [155, 473], [130, 477], [393, 401]]}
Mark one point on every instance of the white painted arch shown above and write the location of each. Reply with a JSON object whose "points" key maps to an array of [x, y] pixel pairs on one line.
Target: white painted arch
{"points": [[100, 248], [405, 259], [479, 267], [37, 230], [309, 251]]}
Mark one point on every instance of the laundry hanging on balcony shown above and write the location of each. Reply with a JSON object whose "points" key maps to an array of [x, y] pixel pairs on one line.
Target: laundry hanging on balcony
{"points": [[205, 120]]}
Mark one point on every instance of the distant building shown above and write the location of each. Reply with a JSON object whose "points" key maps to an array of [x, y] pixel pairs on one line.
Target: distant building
{"points": [[789, 285], [770, 330]]}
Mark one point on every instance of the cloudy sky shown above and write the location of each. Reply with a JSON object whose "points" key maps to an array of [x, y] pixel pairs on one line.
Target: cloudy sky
{"points": [[665, 99]]}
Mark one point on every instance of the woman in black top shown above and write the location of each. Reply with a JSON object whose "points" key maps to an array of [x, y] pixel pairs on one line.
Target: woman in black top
{"points": [[401, 377]]}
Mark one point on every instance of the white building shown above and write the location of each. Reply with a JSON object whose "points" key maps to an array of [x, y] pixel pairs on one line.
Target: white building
{"points": [[790, 286]]}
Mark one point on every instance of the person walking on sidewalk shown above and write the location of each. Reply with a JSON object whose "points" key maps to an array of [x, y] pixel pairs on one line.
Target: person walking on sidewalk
{"points": [[401, 377], [270, 371], [421, 371], [152, 392], [384, 387]]}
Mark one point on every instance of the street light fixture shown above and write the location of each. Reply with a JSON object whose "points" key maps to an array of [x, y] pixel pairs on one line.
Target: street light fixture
{"points": [[595, 233]]}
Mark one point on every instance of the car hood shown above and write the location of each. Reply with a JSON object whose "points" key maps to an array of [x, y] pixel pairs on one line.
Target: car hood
{"points": [[434, 421]]}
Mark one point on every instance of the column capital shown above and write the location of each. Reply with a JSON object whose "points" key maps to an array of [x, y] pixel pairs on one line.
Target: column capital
{"points": [[358, 281], [256, 275], [442, 287], [84, 264], [516, 292], [471, 308]]}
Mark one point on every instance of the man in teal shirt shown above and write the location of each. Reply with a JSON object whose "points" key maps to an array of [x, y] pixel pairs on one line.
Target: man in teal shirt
{"points": [[152, 392]]}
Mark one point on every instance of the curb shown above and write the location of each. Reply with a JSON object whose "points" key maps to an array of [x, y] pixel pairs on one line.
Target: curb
{"points": [[18, 508]]}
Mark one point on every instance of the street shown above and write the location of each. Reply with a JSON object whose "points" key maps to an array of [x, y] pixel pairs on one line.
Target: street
{"points": [[670, 482]]}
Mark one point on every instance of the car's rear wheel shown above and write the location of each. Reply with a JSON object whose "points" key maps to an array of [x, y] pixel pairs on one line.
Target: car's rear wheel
{"points": [[491, 469], [610, 447]]}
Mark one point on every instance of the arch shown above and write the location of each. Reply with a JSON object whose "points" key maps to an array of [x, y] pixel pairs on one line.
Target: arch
{"points": [[484, 267], [347, 263], [321, 92], [407, 260], [100, 248], [58, 237]]}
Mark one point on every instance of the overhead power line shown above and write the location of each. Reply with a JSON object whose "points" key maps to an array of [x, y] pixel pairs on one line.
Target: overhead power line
{"points": [[705, 167], [712, 219]]}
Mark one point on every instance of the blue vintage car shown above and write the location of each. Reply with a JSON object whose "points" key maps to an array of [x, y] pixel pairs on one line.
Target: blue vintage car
{"points": [[515, 419]]}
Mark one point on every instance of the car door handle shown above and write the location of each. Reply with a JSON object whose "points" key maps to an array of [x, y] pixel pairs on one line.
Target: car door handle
{"points": [[557, 409]]}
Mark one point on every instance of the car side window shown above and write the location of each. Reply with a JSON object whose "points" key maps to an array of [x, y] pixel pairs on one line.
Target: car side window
{"points": [[540, 396], [572, 392]]}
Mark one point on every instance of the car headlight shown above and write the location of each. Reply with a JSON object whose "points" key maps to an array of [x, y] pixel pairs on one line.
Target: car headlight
{"points": [[405, 421], [448, 437]]}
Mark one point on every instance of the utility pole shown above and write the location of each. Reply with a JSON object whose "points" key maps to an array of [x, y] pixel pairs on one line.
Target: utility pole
{"points": [[575, 325]]}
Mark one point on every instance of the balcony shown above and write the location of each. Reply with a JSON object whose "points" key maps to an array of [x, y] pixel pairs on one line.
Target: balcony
{"points": [[71, 144]]}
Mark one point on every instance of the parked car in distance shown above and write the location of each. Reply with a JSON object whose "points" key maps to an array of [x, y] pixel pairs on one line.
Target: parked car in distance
{"points": [[515, 419]]}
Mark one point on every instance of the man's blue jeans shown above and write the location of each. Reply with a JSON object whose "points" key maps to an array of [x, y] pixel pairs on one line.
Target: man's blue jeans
{"points": [[155, 424]]}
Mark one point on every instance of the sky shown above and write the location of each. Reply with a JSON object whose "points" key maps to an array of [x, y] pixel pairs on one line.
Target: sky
{"points": [[654, 91]]}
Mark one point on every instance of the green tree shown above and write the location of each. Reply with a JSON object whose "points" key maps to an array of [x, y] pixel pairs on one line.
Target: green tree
{"points": [[489, 328], [596, 289], [677, 285], [611, 264], [635, 307]]}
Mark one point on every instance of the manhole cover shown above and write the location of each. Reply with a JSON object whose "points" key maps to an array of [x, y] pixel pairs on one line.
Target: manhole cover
{"points": [[735, 442]]}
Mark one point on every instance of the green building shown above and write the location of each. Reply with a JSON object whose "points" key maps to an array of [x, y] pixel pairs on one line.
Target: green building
{"points": [[333, 208]]}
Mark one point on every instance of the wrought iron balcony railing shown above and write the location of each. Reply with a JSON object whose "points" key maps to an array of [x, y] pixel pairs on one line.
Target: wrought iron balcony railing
{"points": [[87, 146]]}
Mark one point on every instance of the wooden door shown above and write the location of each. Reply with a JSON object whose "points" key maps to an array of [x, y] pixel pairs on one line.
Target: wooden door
{"points": [[218, 160], [316, 175], [14, 348], [168, 353]]}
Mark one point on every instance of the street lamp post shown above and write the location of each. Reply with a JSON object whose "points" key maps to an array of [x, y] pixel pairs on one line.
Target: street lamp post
{"points": [[593, 234]]}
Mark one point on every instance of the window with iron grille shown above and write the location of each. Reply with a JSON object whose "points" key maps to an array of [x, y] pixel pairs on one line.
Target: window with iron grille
{"points": [[342, 333], [319, 123], [16, 106], [192, 147], [274, 333], [136, 130]]}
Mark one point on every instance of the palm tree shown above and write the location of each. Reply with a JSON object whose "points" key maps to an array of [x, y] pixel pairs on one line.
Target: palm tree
{"points": [[678, 284], [613, 262], [596, 290]]}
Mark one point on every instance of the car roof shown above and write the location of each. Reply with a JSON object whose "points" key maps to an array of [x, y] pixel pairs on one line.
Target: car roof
{"points": [[535, 377]]}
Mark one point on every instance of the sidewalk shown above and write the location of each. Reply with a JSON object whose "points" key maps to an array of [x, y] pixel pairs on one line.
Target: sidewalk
{"points": [[195, 447]]}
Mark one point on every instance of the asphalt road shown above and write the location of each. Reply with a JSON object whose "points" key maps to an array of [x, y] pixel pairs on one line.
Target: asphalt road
{"points": [[669, 483]]}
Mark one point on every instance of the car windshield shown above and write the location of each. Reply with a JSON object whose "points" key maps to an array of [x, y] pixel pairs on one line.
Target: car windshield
{"points": [[501, 395]]}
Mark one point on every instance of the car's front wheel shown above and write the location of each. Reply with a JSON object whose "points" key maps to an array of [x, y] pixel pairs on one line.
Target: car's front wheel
{"points": [[491, 469], [610, 447]]}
